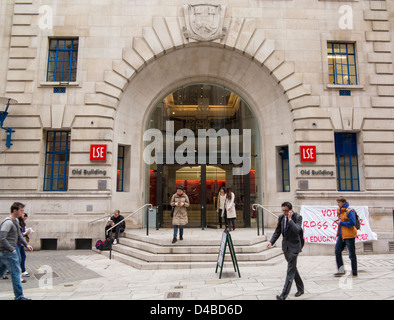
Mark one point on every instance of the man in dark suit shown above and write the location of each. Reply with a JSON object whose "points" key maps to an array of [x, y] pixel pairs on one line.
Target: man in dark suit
{"points": [[290, 226]]}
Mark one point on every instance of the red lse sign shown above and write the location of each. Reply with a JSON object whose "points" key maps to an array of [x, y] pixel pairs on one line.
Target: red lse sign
{"points": [[308, 153], [98, 152]]}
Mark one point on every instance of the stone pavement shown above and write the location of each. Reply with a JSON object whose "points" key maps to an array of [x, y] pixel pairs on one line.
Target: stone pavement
{"points": [[84, 274]]}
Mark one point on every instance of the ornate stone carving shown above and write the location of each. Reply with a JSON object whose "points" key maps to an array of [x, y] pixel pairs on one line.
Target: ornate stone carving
{"points": [[204, 22]]}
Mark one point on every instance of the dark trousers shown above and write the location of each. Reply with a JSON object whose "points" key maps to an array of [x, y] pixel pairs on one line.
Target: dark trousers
{"points": [[351, 247], [117, 230], [231, 221], [225, 218], [220, 217], [292, 273], [22, 253]]}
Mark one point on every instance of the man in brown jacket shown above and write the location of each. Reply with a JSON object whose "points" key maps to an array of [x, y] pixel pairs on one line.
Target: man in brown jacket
{"points": [[180, 201]]}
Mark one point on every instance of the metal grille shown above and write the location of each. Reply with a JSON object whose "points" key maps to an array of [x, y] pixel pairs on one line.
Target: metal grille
{"points": [[59, 90], [368, 247]]}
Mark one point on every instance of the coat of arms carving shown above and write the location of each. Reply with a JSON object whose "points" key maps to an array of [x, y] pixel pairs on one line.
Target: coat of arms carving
{"points": [[204, 22]]}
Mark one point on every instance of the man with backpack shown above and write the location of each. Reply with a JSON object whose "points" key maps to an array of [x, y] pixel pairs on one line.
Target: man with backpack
{"points": [[10, 234], [347, 233]]}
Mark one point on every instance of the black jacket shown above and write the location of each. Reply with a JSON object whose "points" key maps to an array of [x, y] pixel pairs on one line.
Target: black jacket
{"points": [[116, 220], [293, 238]]}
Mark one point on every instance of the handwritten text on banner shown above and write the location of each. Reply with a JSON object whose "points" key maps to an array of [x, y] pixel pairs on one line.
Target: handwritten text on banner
{"points": [[318, 223]]}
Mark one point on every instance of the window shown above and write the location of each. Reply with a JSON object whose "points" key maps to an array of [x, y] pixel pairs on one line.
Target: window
{"points": [[342, 63], [62, 60], [347, 161], [284, 154], [57, 160], [120, 169]]}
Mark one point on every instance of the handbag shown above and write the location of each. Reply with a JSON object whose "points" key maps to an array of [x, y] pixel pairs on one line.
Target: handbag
{"points": [[172, 211]]}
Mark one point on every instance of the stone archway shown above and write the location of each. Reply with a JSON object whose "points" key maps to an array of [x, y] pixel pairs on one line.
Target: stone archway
{"points": [[166, 36], [162, 60]]}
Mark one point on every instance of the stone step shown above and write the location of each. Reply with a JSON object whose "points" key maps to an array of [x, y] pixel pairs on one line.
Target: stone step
{"points": [[143, 265], [179, 248], [191, 257], [191, 241], [199, 249]]}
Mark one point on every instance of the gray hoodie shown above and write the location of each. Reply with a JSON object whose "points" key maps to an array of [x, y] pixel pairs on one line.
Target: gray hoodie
{"points": [[10, 234]]}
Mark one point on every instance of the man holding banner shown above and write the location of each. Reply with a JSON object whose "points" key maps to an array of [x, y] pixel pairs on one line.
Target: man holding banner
{"points": [[346, 233]]}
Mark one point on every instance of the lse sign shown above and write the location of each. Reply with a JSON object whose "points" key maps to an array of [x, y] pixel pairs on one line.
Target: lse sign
{"points": [[308, 153], [98, 152]]}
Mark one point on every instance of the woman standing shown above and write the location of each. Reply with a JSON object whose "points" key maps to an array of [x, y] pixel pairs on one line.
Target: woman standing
{"points": [[180, 201], [220, 204], [230, 208]]}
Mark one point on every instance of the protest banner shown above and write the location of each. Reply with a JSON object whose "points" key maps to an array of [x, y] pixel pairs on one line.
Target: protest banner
{"points": [[318, 223]]}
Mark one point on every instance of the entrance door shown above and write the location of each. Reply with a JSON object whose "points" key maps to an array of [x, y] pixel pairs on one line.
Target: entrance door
{"points": [[201, 184], [201, 123]]}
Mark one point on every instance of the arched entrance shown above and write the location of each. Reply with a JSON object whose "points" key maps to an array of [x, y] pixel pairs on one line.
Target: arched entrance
{"points": [[203, 136], [198, 64]]}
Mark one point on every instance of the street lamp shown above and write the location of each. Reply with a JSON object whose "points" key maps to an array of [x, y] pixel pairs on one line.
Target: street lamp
{"points": [[3, 115]]}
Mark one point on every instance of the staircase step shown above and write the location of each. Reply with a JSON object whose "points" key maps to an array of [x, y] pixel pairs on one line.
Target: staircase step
{"points": [[199, 249], [143, 265], [189, 257], [178, 248], [190, 241]]}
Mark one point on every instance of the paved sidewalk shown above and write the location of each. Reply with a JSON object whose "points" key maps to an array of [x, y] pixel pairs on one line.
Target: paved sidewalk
{"points": [[75, 275]]}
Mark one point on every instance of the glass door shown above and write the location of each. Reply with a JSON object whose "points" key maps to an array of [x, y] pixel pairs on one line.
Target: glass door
{"points": [[201, 184], [216, 178], [168, 179], [190, 178]]}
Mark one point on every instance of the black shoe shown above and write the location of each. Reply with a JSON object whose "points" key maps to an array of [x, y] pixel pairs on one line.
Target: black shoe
{"points": [[174, 240], [299, 293], [339, 274], [180, 237], [281, 297]]}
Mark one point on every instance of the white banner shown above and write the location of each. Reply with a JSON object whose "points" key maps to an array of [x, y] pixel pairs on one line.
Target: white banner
{"points": [[318, 223]]}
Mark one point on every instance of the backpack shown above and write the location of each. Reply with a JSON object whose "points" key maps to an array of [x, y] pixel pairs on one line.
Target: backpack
{"points": [[98, 244], [301, 234], [358, 225], [104, 245]]}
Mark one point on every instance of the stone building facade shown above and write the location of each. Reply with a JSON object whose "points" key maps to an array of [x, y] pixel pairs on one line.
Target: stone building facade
{"points": [[307, 72]]}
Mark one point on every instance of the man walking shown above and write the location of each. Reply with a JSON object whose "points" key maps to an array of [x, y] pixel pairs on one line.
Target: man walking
{"points": [[346, 233], [10, 235], [290, 226]]}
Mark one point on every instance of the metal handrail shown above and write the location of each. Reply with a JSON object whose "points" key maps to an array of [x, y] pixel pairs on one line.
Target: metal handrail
{"points": [[148, 204], [91, 222], [264, 208], [262, 217]]}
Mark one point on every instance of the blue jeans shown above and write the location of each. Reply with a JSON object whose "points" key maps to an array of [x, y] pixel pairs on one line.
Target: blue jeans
{"points": [[351, 247], [22, 253], [176, 230], [11, 262]]}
